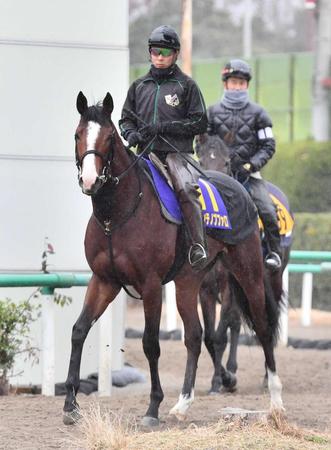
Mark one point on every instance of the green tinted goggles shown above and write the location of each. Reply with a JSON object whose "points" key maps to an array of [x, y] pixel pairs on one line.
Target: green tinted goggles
{"points": [[155, 51]]}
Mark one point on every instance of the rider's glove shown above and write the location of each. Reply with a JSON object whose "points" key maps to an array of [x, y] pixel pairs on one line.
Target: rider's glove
{"points": [[134, 138], [246, 168], [244, 172]]}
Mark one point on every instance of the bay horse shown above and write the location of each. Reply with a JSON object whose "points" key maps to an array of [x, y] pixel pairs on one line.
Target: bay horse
{"points": [[128, 242], [218, 287]]}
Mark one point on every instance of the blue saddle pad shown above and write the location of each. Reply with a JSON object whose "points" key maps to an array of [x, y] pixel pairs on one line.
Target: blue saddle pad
{"points": [[215, 214]]}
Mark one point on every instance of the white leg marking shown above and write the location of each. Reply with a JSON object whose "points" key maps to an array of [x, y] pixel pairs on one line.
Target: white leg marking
{"points": [[89, 172], [183, 404], [275, 390]]}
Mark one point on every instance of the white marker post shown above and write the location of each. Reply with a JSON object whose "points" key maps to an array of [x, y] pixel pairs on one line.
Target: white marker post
{"points": [[171, 307], [48, 342], [283, 318], [306, 299], [105, 354]]}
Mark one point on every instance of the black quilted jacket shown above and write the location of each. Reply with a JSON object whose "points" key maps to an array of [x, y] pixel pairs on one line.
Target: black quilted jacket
{"points": [[247, 132]]}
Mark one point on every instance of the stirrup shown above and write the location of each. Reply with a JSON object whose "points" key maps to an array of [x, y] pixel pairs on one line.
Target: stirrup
{"points": [[202, 256], [273, 261]]}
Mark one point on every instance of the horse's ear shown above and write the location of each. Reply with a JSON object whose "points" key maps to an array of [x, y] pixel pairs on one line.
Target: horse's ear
{"points": [[108, 104], [81, 103]]}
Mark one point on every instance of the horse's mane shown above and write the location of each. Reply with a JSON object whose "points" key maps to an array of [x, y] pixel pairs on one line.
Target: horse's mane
{"points": [[95, 114]]}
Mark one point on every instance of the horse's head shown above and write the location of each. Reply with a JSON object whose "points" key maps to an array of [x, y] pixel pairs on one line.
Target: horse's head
{"points": [[213, 153], [95, 137]]}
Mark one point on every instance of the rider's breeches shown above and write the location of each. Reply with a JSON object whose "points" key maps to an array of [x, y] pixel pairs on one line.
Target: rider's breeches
{"points": [[267, 212], [184, 179]]}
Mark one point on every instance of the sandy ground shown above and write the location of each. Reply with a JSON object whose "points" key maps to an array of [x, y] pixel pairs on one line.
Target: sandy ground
{"points": [[35, 422]]}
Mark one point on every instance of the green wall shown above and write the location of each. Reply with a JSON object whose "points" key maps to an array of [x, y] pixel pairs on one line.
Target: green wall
{"points": [[281, 84]]}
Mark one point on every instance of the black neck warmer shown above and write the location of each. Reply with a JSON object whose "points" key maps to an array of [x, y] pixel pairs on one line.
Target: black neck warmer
{"points": [[162, 74]]}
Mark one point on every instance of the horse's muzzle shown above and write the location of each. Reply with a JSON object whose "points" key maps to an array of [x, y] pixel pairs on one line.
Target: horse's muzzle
{"points": [[94, 188]]}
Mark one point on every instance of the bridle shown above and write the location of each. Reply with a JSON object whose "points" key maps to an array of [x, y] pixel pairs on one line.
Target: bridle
{"points": [[106, 160]]}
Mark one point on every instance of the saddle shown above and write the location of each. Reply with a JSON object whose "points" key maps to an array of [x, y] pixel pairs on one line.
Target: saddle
{"points": [[222, 204]]}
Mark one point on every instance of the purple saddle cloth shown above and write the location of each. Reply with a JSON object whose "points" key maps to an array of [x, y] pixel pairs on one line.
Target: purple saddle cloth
{"points": [[215, 214]]}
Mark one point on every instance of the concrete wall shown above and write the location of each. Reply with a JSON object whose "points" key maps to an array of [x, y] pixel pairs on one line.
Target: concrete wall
{"points": [[49, 51]]}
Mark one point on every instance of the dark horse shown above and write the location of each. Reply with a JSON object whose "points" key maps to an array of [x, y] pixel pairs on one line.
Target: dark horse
{"points": [[128, 242], [218, 284]]}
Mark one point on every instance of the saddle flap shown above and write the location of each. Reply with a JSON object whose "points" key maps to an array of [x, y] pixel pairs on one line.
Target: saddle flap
{"points": [[161, 167]]}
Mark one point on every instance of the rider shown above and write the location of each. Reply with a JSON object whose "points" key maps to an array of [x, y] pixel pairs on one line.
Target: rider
{"points": [[168, 105], [247, 130]]}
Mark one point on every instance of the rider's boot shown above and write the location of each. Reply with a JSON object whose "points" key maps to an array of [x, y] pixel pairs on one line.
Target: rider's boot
{"points": [[273, 259], [191, 210]]}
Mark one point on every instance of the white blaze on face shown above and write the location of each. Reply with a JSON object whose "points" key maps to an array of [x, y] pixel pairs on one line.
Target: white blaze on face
{"points": [[89, 171]]}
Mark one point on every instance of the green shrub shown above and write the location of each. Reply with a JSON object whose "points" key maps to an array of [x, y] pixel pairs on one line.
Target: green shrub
{"points": [[303, 171], [15, 321], [312, 232]]}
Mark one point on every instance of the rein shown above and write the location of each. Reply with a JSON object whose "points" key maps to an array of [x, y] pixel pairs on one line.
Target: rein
{"points": [[136, 160], [188, 160], [106, 224]]}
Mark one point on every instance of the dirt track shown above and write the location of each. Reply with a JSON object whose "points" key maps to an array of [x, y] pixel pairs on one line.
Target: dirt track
{"points": [[35, 422]]}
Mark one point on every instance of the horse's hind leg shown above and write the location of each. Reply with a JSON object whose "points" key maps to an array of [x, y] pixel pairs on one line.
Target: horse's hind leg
{"points": [[186, 296], [208, 299], [98, 297], [246, 264], [152, 300], [229, 379], [216, 341]]}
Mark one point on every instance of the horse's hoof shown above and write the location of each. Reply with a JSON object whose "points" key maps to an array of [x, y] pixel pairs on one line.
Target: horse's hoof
{"points": [[230, 382], [148, 421], [214, 391], [175, 413], [265, 383], [71, 417]]}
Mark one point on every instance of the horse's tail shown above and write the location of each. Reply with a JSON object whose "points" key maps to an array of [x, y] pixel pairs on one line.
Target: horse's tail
{"points": [[273, 306]]}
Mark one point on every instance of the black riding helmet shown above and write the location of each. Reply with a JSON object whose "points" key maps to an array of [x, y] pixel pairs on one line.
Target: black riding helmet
{"points": [[237, 68], [165, 37]]}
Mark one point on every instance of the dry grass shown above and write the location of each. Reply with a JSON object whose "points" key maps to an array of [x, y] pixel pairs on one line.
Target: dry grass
{"points": [[103, 430]]}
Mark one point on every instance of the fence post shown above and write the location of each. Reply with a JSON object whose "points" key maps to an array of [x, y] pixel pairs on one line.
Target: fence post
{"points": [[306, 299], [283, 318], [48, 342]]}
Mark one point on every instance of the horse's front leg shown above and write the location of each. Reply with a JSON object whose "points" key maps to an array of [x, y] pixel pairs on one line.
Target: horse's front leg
{"points": [[187, 296], [98, 296], [152, 300]]}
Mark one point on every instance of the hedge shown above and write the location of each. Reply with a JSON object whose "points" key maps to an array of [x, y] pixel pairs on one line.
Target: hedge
{"points": [[312, 232], [303, 171]]}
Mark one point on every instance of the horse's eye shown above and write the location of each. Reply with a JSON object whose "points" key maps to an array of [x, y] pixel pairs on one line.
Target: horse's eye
{"points": [[76, 137]]}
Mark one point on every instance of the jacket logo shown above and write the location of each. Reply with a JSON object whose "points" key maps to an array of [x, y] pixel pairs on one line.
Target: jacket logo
{"points": [[172, 100]]}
